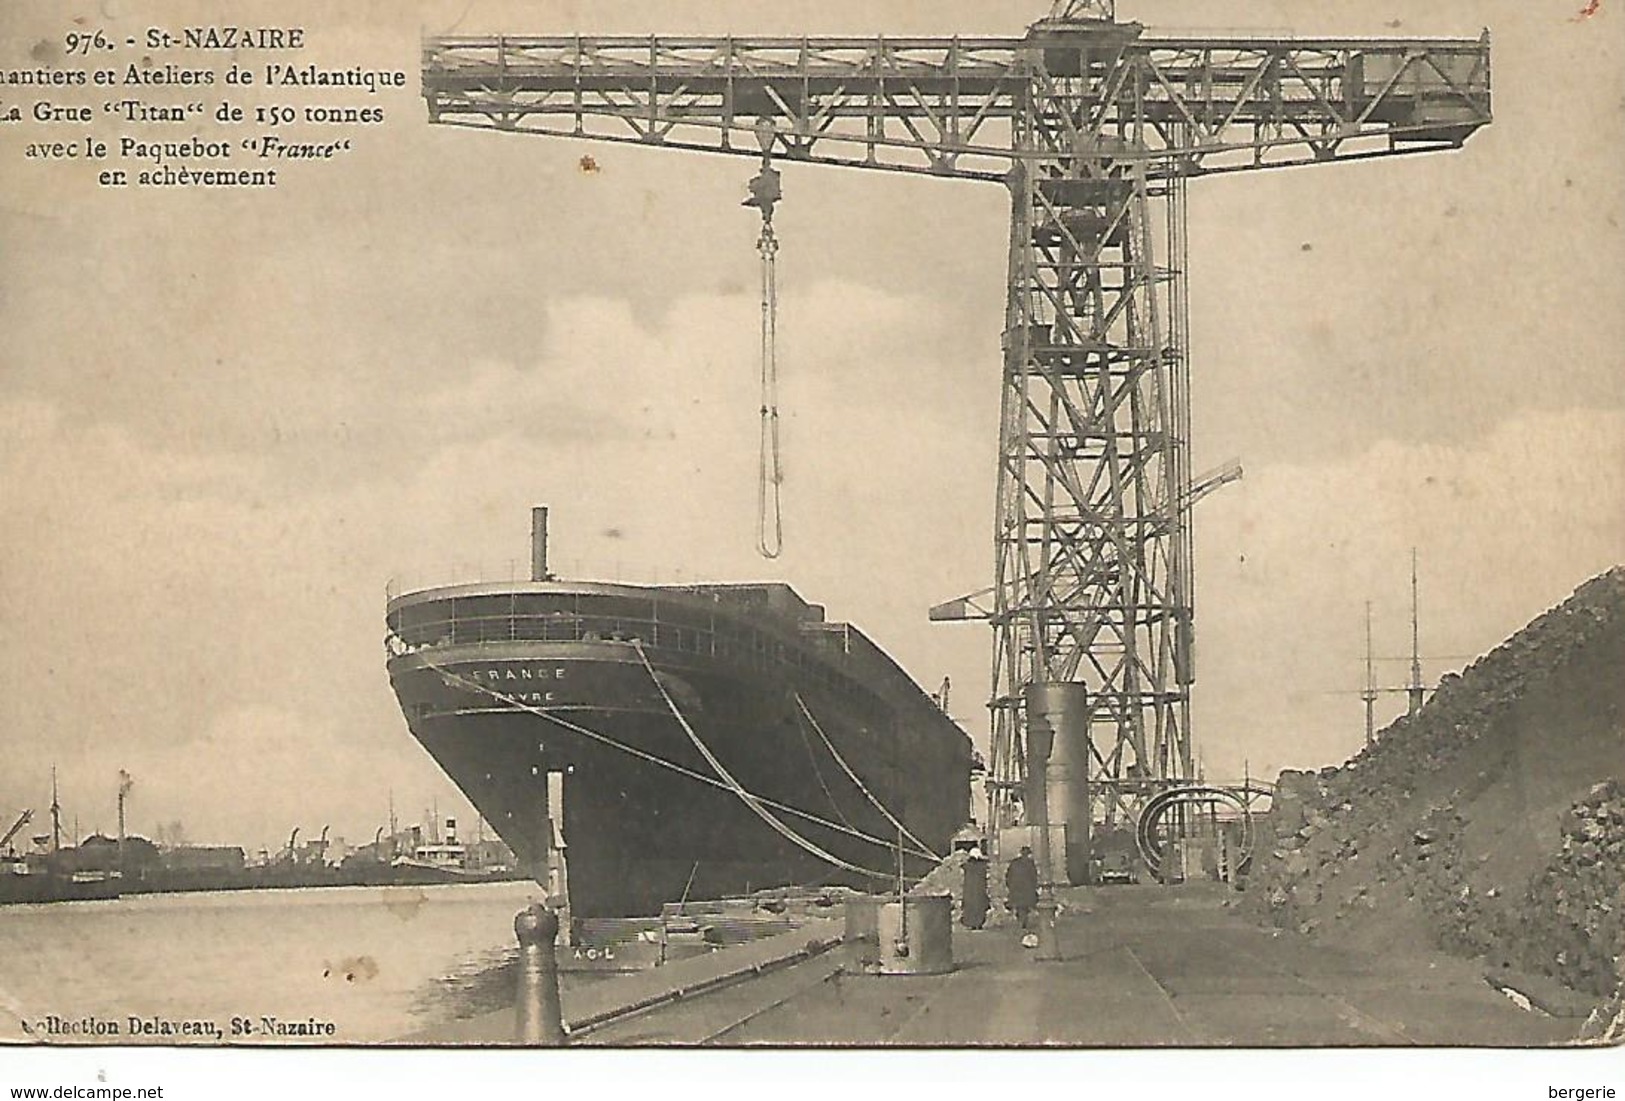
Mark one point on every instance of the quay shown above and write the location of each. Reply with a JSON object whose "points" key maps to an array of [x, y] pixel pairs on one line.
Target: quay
{"points": [[1140, 966]]}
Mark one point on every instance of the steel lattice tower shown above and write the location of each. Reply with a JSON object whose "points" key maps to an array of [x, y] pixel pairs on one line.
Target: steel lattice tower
{"points": [[1095, 129]]}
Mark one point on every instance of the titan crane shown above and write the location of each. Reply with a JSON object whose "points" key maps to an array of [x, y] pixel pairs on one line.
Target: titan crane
{"points": [[1094, 127]]}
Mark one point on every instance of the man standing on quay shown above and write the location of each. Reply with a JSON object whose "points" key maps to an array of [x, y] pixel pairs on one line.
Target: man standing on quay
{"points": [[1021, 886]]}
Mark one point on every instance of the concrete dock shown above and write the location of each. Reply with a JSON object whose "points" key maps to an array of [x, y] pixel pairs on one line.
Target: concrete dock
{"points": [[1142, 966]]}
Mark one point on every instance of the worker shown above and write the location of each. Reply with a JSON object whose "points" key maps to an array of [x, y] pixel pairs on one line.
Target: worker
{"points": [[1021, 886], [974, 905]]}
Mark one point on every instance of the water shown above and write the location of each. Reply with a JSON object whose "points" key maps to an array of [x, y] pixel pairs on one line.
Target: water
{"points": [[378, 962]]}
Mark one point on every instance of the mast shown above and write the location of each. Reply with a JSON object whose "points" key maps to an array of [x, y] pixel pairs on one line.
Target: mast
{"points": [[1416, 647], [56, 815], [125, 783], [1370, 693]]}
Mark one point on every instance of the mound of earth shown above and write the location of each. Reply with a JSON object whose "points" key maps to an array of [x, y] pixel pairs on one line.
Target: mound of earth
{"points": [[1491, 824]]}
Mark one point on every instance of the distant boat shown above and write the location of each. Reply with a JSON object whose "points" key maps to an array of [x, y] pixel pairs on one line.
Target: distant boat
{"points": [[40, 879], [442, 862]]}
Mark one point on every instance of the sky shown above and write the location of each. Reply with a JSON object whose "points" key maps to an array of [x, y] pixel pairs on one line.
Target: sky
{"points": [[230, 423]]}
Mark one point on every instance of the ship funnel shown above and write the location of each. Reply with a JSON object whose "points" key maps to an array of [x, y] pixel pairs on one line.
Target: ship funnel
{"points": [[538, 544]]}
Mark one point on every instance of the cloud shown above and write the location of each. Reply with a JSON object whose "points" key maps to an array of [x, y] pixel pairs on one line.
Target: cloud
{"points": [[1288, 557], [224, 430], [215, 614], [207, 614]]}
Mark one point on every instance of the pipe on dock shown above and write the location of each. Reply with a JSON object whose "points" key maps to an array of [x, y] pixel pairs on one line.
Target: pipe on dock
{"points": [[538, 1012], [1058, 778]]}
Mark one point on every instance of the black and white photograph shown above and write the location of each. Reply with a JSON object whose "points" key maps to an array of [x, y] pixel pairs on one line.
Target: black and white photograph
{"points": [[1085, 533]]}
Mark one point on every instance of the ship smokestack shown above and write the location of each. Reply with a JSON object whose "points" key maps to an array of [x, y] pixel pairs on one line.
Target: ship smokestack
{"points": [[538, 544]]}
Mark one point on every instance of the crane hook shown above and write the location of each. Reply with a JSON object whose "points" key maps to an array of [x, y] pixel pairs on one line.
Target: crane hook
{"points": [[765, 190]]}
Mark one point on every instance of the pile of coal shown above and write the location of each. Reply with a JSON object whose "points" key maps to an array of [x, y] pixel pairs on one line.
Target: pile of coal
{"points": [[1491, 823], [1571, 919]]}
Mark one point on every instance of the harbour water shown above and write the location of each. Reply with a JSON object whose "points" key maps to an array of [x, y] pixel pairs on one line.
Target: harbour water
{"points": [[375, 962]]}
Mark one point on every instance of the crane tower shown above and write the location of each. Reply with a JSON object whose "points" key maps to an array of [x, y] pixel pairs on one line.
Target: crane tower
{"points": [[1095, 128]]}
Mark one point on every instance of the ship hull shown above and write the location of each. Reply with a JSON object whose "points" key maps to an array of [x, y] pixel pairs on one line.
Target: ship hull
{"points": [[642, 823], [707, 737], [44, 887]]}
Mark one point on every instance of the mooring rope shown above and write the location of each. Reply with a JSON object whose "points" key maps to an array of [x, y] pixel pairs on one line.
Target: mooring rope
{"points": [[812, 759], [660, 762], [853, 776], [746, 797]]}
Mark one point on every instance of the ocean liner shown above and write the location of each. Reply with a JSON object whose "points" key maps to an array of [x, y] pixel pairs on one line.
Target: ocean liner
{"points": [[713, 738]]}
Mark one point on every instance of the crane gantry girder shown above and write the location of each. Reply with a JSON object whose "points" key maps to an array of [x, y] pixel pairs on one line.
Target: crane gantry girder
{"points": [[1095, 129], [1068, 10], [946, 105]]}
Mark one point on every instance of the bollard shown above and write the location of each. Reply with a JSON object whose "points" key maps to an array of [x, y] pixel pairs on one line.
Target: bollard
{"points": [[920, 941], [974, 902], [538, 1014], [863, 918], [1049, 946]]}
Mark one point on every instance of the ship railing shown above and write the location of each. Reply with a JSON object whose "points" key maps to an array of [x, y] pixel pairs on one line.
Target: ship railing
{"points": [[753, 649], [556, 627], [513, 571]]}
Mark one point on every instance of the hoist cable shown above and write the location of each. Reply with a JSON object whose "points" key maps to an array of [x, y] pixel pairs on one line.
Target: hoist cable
{"points": [[770, 472]]}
